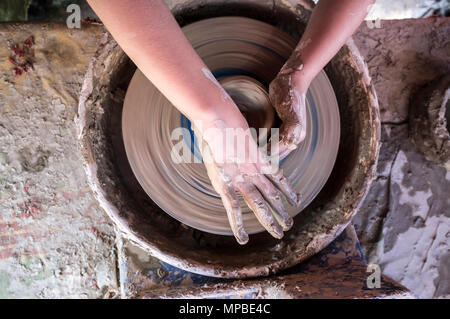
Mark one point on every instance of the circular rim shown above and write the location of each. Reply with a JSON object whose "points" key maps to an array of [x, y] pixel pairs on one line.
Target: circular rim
{"points": [[349, 76]]}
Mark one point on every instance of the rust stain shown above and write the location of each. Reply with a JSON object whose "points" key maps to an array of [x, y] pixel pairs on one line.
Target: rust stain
{"points": [[22, 56]]}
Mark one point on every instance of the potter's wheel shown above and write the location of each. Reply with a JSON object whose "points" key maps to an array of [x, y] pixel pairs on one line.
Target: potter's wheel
{"points": [[237, 50]]}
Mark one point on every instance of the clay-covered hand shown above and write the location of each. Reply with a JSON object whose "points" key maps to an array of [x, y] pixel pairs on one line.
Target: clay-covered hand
{"points": [[287, 93], [234, 168]]}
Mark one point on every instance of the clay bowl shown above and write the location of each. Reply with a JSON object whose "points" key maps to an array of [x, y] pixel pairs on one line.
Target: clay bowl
{"points": [[253, 101], [144, 223]]}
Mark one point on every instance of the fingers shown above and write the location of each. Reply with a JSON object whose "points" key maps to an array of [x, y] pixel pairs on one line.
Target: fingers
{"points": [[261, 193], [232, 206], [222, 185], [278, 149], [289, 100], [272, 196], [291, 134], [283, 184], [287, 141], [256, 202]]}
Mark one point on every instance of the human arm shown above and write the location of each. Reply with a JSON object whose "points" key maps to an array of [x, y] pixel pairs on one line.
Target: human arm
{"points": [[331, 24]]}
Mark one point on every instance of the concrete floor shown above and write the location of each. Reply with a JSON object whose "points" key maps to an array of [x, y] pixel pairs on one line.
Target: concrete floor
{"points": [[404, 223], [56, 242]]}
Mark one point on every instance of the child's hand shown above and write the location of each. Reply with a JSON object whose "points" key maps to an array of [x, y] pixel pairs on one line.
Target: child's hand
{"points": [[241, 166], [288, 96]]}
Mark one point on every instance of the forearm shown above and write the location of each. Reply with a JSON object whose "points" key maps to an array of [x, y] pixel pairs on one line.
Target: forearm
{"points": [[151, 37], [330, 26]]}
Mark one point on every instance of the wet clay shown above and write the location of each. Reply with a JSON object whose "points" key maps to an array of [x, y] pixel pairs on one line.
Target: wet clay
{"points": [[289, 103], [252, 100], [429, 121]]}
